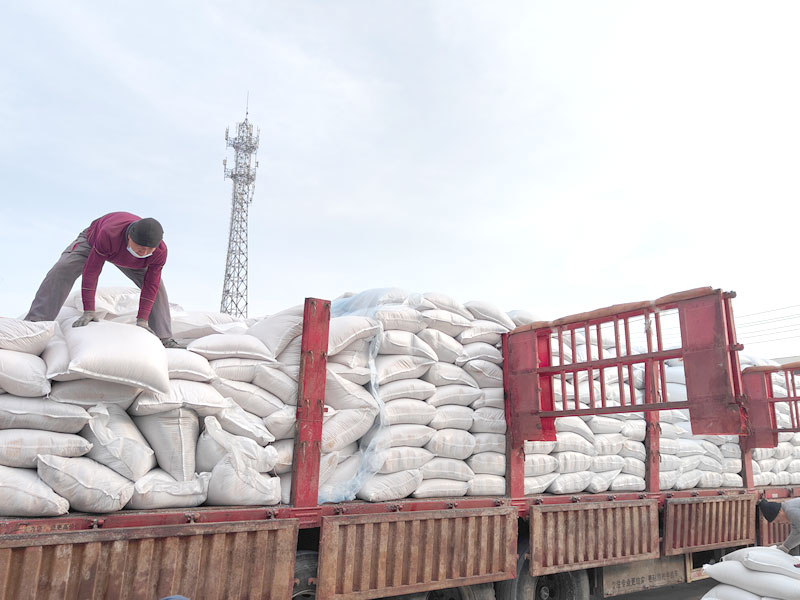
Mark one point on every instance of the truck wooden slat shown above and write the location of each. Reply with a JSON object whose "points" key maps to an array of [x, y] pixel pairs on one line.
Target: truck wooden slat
{"points": [[693, 524]]}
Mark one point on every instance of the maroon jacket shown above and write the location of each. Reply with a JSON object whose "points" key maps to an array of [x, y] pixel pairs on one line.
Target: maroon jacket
{"points": [[108, 237]]}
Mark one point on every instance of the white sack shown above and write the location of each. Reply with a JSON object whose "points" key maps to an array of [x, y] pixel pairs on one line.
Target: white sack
{"points": [[159, 490], [249, 397], [409, 411], [238, 421], [492, 398], [276, 382], [445, 321], [539, 483], [487, 485], [442, 374], [489, 312], [399, 366], [87, 485], [447, 468], [445, 302], [19, 447], [492, 463], [488, 420], [214, 443], [278, 330], [540, 464], [570, 483], [573, 462], [451, 443], [485, 373], [482, 331], [452, 416], [342, 394], [25, 336], [23, 374], [533, 447], [173, 437], [282, 423], [479, 351], [575, 425], [359, 375], [446, 347], [117, 443], [393, 341], [87, 393], [440, 488], [183, 364], [40, 413], [403, 459], [763, 584], [203, 398], [23, 494], [627, 483], [345, 427], [381, 488], [489, 442], [572, 442], [415, 389], [234, 482], [607, 462], [343, 331]]}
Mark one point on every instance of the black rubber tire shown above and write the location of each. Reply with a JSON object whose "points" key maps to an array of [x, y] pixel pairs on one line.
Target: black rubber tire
{"points": [[305, 575], [481, 591], [570, 585]]}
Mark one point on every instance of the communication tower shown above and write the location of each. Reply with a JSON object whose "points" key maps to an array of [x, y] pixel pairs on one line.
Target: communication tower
{"points": [[243, 174]]}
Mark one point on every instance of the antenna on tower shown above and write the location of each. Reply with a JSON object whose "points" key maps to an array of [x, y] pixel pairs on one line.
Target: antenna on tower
{"points": [[243, 175]]}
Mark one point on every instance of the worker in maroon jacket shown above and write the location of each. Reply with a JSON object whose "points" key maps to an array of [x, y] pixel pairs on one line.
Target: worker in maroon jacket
{"points": [[136, 247]]}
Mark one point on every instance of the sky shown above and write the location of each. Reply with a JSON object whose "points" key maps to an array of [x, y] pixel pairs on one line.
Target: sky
{"points": [[554, 157]]}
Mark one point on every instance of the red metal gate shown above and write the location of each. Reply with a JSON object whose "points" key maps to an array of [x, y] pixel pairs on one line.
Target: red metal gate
{"points": [[692, 524]]}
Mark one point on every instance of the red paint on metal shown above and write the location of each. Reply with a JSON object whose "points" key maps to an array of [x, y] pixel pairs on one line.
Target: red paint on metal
{"points": [[310, 402]]}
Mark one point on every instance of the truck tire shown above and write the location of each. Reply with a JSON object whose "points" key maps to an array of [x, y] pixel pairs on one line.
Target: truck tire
{"points": [[570, 585], [481, 591], [305, 575]]}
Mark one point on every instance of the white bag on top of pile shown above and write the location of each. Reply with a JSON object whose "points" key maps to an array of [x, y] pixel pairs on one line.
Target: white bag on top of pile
{"points": [[484, 484], [482, 331], [344, 331], [118, 353], [88, 392], [570, 483], [447, 468], [452, 416], [183, 364], [40, 413], [771, 585], [409, 411], [234, 482], [276, 382], [250, 397], [441, 374], [23, 374], [25, 336], [222, 345], [479, 351], [439, 488], [489, 442], [403, 458], [23, 494], [445, 321], [277, 331], [451, 443], [191, 325], [56, 358], [392, 367], [195, 395], [117, 443], [485, 373], [488, 420], [19, 447], [492, 398], [394, 341], [445, 302], [158, 489], [415, 389], [214, 443], [464, 395], [347, 426], [446, 347], [87, 485], [488, 312], [400, 317], [282, 423], [521, 317], [173, 437], [110, 301], [394, 486], [491, 463], [767, 559], [359, 375]]}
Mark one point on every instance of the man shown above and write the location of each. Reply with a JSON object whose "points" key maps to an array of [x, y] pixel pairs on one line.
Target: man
{"points": [[136, 247], [787, 512]]}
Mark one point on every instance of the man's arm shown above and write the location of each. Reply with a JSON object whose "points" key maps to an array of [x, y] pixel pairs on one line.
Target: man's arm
{"points": [[91, 273], [792, 510], [152, 279]]}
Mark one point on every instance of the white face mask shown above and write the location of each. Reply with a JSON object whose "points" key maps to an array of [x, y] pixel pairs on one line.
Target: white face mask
{"points": [[137, 255]]}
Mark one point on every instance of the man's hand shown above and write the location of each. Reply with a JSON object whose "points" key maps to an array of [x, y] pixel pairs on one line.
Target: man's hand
{"points": [[87, 317], [143, 323]]}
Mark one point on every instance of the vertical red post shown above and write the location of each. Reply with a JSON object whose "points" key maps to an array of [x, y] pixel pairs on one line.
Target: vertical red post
{"points": [[310, 402], [515, 449]]}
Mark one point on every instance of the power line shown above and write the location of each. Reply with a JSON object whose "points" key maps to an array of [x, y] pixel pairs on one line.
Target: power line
{"points": [[771, 310]]}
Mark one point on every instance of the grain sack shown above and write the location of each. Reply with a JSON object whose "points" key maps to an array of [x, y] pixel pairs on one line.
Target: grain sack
{"points": [[539, 483], [771, 560], [220, 345], [572, 442], [608, 443], [446, 347], [342, 394], [575, 425], [570, 483], [56, 358], [689, 463], [118, 353], [539, 464], [87, 393], [451, 443], [633, 449], [601, 481], [410, 411], [532, 447], [399, 366], [452, 416], [491, 463], [285, 450], [669, 446], [344, 473], [489, 442], [728, 592], [445, 321], [668, 479], [627, 483], [445, 302], [489, 312], [398, 435], [709, 463], [479, 351], [440, 488], [327, 467], [442, 374], [482, 331], [573, 462], [40, 413], [487, 485], [485, 373], [345, 427], [117, 443], [463, 395], [358, 375], [214, 443], [403, 318], [415, 389], [237, 421], [521, 317], [488, 420], [738, 575], [276, 382], [356, 355], [183, 364], [173, 437], [634, 466], [634, 430], [607, 462], [236, 369], [668, 462], [158, 490], [278, 330], [282, 423], [403, 458], [394, 341], [19, 447], [381, 488], [688, 480], [249, 397], [710, 479], [344, 331], [492, 398], [23, 374], [23, 494], [289, 359], [87, 485], [25, 336], [234, 482], [447, 468], [200, 397]]}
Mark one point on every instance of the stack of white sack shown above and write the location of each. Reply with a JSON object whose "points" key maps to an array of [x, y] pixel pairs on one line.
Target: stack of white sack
{"points": [[756, 573]]}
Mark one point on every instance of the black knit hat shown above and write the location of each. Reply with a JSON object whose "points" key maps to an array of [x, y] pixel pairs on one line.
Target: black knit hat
{"points": [[769, 509], [146, 232]]}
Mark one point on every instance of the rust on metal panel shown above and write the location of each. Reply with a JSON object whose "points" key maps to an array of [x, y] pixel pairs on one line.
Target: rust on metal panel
{"points": [[692, 524], [423, 551], [250, 559], [614, 533]]}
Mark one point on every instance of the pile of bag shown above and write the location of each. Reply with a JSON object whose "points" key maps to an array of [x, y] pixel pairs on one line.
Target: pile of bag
{"points": [[754, 574]]}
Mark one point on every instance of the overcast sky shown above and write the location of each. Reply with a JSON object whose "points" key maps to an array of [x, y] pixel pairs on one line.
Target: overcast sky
{"points": [[548, 156]]}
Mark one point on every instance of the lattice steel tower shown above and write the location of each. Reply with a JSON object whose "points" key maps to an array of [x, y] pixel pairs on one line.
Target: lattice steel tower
{"points": [[243, 174]]}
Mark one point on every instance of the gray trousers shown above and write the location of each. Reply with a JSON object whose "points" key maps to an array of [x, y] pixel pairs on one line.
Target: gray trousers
{"points": [[58, 282]]}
